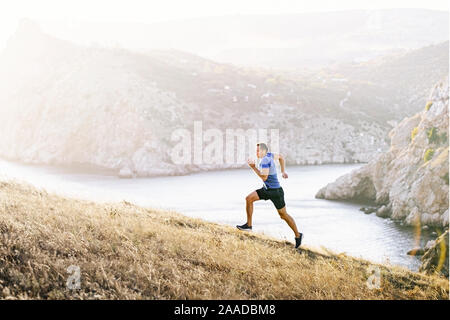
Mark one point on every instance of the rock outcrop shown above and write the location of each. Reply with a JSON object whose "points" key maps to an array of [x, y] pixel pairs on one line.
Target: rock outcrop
{"points": [[410, 181], [435, 259]]}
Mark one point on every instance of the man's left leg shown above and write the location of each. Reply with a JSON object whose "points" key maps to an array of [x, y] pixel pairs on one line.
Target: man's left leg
{"points": [[289, 220]]}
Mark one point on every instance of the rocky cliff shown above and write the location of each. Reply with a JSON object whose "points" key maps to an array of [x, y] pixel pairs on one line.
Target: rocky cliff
{"points": [[435, 259], [69, 105], [410, 181]]}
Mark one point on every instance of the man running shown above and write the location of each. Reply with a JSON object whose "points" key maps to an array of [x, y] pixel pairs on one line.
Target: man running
{"points": [[271, 189]]}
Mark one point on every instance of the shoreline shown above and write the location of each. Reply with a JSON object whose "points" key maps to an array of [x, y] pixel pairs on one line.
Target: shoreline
{"points": [[103, 171], [118, 197]]}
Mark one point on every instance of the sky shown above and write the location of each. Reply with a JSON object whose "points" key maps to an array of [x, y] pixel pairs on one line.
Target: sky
{"points": [[148, 11]]}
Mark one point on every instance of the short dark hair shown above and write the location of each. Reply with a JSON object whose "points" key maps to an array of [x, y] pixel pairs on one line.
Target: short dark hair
{"points": [[263, 146]]}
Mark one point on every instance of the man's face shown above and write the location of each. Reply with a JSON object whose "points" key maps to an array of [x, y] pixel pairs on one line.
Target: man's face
{"points": [[259, 152]]}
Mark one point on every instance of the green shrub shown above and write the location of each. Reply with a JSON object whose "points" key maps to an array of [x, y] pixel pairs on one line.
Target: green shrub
{"points": [[445, 177], [414, 133], [428, 155], [444, 138], [428, 106], [433, 135]]}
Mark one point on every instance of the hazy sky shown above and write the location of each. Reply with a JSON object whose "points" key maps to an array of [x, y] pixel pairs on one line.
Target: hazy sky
{"points": [[147, 11]]}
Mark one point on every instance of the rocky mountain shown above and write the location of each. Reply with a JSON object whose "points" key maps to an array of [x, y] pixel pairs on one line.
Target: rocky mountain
{"points": [[410, 181], [67, 104], [399, 83], [289, 41]]}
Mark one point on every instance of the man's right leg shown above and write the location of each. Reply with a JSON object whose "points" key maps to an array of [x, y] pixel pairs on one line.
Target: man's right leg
{"points": [[252, 197]]}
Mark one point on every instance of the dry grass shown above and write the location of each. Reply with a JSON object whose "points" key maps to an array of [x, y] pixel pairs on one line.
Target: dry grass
{"points": [[129, 252]]}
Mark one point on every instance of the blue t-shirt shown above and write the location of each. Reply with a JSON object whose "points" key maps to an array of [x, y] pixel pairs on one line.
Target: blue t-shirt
{"points": [[268, 162]]}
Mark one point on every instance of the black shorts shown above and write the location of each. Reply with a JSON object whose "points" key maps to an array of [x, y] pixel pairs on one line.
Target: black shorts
{"points": [[274, 195]]}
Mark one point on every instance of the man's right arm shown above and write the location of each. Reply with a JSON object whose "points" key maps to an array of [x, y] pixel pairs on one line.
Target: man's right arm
{"points": [[263, 174]]}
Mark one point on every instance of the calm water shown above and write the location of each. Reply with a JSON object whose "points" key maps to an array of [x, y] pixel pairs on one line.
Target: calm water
{"points": [[219, 196]]}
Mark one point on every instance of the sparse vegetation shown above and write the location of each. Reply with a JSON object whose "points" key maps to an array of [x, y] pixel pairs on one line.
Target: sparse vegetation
{"points": [[414, 133], [129, 252], [428, 105], [272, 81], [445, 178], [444, 138], [432, 135], [428, 155], [435, 137]]}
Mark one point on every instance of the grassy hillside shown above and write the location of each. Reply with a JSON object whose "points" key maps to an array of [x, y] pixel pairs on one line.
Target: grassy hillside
{"points": [[129, 252]]}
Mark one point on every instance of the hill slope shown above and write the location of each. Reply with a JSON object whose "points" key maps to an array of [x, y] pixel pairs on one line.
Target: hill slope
{"points": [[128, 252], [296, 40]]}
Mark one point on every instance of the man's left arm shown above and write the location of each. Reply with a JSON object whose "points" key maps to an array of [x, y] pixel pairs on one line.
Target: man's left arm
{"points": [[281, 159]]}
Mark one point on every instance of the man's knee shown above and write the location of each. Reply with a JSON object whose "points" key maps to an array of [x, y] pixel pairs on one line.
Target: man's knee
{"points": [[251, 197], [283, 214]]}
